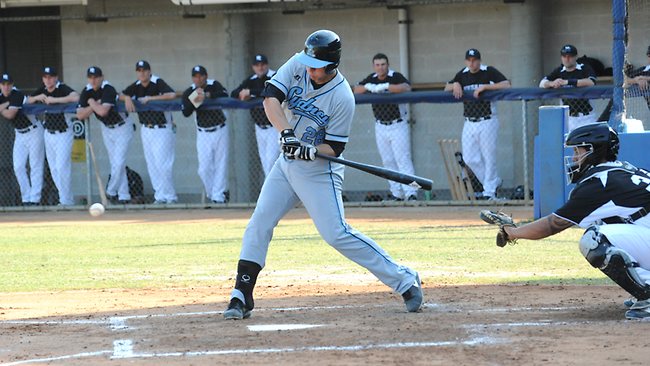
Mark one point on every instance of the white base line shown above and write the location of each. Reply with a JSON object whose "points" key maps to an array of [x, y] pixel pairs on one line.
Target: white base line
{"points": [[58, 358]]}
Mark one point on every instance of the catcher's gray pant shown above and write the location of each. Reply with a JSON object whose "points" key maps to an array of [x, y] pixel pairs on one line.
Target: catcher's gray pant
{"points": [[29, 146], [58, 149], [318, 185], [116, 141]]}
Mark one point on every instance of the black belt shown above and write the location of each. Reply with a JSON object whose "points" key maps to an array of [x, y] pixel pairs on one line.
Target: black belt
{"points": [[264, 127], [154, 126], [627, 220], [211, 129], [477, 119], [116, 124], [26, 129], [388, 123], [55, 131]]}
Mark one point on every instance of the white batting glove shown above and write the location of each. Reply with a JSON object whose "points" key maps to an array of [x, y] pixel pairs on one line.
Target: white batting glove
{"points": [[306, 152]]}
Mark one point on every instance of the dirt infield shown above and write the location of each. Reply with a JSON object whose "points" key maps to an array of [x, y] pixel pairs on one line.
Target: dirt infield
{"points": [[320, 322]]}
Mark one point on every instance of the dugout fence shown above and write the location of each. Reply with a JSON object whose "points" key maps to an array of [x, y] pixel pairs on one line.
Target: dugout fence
{"points": [[430, 116]]}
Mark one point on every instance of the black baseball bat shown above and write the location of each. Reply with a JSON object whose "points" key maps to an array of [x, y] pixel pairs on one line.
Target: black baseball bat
{"points": [[411, 180]]}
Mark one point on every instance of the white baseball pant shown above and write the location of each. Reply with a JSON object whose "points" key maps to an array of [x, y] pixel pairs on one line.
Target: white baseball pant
{"points": [[394, 145], [268, 146], [117, 141], [58, 150], [29, 146], [635, 240], [212, 151], [159, 152], [479, 145]]}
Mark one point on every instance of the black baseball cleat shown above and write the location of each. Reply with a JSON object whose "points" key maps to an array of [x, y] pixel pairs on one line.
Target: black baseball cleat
{"points": [[413, 297], [236, 310]]}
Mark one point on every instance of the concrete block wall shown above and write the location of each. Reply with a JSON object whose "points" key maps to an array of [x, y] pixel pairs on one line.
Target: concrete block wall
{"points": [[439, 36]]}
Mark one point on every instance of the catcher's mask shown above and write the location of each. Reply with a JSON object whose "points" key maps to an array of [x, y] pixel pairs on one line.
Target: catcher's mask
{"points": [[601, 144]]}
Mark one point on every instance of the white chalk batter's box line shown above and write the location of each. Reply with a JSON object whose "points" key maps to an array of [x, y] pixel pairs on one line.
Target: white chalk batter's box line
{"points": [[120, 322], [124, 348]]}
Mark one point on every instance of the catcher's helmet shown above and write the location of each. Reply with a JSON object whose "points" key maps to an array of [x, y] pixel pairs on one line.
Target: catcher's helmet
{"points": [[322, 49], [601, 142]]}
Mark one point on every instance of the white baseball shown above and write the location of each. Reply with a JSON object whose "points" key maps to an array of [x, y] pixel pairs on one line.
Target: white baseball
{"points": [[96, 209]]}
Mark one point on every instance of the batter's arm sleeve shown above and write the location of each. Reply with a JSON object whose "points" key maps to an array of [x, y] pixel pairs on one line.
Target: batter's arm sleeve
{"points": [[337, 146], [271, 91]]}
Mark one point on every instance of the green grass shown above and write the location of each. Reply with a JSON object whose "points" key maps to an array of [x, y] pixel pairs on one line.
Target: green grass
{"points": [[160, 254]]}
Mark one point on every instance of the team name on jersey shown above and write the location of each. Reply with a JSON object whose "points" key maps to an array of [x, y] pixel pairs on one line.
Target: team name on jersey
{"points": [[306, 108]]}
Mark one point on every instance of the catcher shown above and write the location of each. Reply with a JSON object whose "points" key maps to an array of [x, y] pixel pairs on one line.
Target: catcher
{"points": [[611, 200]]}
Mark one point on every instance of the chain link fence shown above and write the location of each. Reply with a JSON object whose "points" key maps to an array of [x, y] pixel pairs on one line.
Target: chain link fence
{"points": [[487, 150]]}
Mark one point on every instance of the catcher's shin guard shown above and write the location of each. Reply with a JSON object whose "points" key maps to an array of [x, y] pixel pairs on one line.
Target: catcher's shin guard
{"points": [[613, 262], [247, 272]]}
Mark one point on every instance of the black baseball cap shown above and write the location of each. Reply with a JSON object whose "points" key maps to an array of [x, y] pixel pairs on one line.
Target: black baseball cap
{"points": [[49, 70], [569, 49], [260, 59], [472, 52], [198, 69], [94, 71], [6, 78], [142, 64]]}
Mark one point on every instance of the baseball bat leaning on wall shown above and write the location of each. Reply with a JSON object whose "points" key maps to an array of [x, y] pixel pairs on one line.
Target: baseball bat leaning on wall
{"points": [[412, 180], [100, 184]]}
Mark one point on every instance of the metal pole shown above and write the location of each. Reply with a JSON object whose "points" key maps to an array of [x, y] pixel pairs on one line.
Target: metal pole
{"points": [[88, 165], [619, 15], [524, 136]]}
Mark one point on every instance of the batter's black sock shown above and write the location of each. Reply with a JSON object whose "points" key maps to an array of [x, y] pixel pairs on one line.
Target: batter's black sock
{"points": [[246, 277]]}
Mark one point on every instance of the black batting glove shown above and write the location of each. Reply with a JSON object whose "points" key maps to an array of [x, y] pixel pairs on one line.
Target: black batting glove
{"points": [[289, 143], [306, 152]]}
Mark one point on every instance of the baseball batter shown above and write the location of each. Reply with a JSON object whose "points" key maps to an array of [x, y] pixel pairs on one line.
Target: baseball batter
{"points": [[612, 200], [481, 125], [392, 132], [28, 142], [58, 134], [100, 97], [158, 131], [212, 137], [322, 104], [573, 75]]}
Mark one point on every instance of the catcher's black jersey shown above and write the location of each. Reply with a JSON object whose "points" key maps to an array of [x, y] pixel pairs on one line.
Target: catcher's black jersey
{"points": [[582, 71], [156, 86], [205, 118], [387, 112], [55, 121], [16, 100], [486, 75], [106, 94], [608, 190]]}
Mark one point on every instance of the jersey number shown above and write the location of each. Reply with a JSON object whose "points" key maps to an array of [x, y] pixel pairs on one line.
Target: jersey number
{"points": [[313, 137], [638, 180]]}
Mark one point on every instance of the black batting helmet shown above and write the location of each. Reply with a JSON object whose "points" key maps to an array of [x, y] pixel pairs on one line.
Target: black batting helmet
{"points": [[601, 142], [322, 49]]}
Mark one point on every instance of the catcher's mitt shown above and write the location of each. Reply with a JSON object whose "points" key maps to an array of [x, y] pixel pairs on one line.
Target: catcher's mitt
{"points": [[501, 219]]}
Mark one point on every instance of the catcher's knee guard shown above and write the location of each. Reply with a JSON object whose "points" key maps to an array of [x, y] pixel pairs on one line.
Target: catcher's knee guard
{"points": [[613, 262]]}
